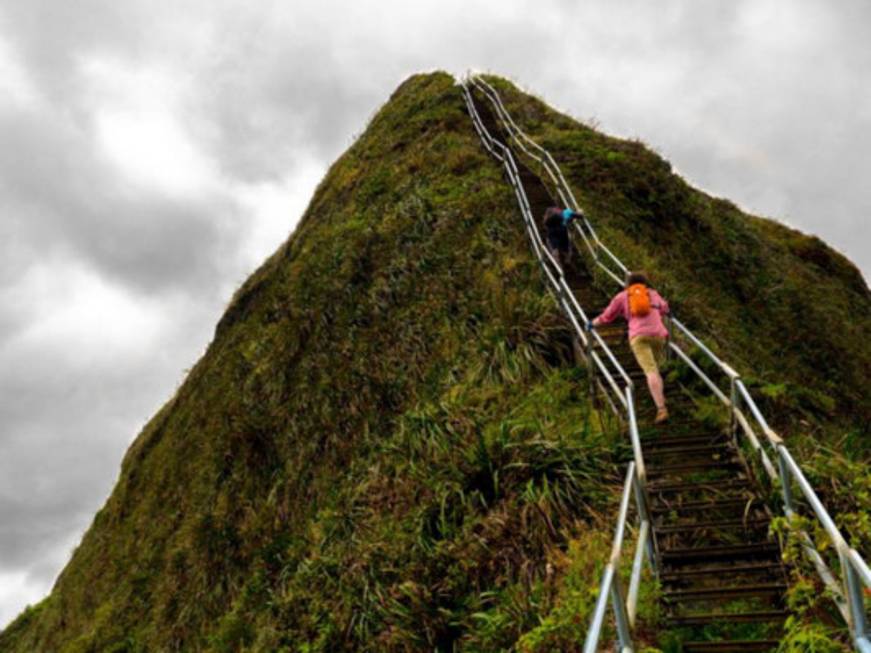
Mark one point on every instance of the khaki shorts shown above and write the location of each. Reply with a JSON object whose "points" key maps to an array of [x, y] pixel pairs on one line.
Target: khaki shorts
{"points": [[649, 352]]}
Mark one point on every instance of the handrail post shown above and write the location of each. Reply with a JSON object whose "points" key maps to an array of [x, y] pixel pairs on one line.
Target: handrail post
{"points": [[643, 546], [859, 625], [851, 591], [593, 239], [644, 514], [640, 468], [669, 337], [637, 567], [598, 617], [785, 482], [733, 406], [620, 617]]}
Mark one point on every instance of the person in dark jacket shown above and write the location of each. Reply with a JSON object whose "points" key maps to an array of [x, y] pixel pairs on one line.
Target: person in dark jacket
{"points": [[556, 227]]}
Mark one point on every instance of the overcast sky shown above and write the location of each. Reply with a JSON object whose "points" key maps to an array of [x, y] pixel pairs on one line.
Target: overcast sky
{"points": [[152, 154]]}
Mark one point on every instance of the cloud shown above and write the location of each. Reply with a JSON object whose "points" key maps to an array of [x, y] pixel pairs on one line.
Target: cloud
{"points": [[154, 153], [137, 126]]}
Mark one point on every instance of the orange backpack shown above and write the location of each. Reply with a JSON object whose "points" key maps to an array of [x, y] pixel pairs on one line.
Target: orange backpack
{"points": [[639, 300]]}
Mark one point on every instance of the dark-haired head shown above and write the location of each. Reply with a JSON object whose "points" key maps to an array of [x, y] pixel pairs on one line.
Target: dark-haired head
{"points": [[639, 276]]}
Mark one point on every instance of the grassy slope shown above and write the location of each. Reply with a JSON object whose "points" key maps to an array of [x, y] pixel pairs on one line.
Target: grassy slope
{"points": [[783, 307], [787, 311], [384, 448], [370, 443]]}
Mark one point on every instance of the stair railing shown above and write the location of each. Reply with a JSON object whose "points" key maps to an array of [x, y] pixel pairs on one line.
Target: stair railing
{"points": [[625, 396], [577, 316], [853, 580], [563, 191], [598, 351], [611, 586]]}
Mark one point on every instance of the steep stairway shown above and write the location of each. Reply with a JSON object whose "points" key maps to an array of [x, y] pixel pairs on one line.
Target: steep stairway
{"points": [[720, 571]]}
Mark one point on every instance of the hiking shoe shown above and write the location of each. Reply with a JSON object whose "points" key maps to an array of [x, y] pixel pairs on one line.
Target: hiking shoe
{"points": [[661, 415]]}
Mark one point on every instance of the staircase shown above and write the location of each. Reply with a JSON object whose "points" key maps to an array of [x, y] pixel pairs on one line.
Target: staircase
{"points": [[722, 580]]}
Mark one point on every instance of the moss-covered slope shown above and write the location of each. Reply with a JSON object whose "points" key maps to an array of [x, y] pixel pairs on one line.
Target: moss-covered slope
{"points": [[782, 306], [386, 446]]}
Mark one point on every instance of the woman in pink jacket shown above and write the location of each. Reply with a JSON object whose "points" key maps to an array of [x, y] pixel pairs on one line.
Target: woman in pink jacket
{"points": [[647, 333]]}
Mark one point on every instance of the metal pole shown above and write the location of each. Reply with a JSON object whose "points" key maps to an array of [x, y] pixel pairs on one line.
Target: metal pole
{"points": [[785, 482], [733, 407], [641, 470], [670, 338], [859, 624], [637, 566], [644, 514], [598, 618], [620, 616], [590, 371]]}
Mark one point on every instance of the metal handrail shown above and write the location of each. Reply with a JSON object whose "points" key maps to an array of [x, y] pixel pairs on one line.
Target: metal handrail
{"points": [[559, 287], [567, 300], [855, 577], [625, 610], [522, 140]]}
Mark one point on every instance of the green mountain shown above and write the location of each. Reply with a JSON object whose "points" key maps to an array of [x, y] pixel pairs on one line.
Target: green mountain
{"points": [[388, 445]]}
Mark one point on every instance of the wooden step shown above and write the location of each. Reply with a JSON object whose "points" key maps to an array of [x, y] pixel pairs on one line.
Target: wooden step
{"points": [[723, 593], [700, 486], [701, 449], [674, 424], [703, 619], [691, 574], [655, 444], [726, 524], [706, 506], [688, 556], [730, 464]]}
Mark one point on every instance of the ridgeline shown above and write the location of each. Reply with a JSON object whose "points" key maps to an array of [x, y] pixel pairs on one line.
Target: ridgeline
{"points": [[388, 445]]}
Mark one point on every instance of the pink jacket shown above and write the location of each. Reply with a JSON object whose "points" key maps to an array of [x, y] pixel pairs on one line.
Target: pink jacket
{"points": [[649, 325]]}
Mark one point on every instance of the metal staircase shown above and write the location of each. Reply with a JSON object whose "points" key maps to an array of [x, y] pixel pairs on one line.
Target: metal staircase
{"points": [[702, 515]]}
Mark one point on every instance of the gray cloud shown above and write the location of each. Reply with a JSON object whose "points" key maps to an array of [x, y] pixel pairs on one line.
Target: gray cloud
{"points": [[154, 153]]}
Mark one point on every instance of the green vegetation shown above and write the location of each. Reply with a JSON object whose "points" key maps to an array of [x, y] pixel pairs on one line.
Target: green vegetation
{"points": [[387, 447], [788, 311]]}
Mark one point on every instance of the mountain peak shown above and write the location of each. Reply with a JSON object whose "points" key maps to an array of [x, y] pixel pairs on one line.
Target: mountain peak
{"points": [[389, 446]]}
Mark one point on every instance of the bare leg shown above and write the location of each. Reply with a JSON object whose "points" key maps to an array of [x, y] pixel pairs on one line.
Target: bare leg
{"points": [[654, 383]]}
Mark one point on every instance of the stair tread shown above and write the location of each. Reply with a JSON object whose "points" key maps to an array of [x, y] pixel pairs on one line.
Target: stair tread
{"points": [[695, 555], [725, 523], [700, 465], [756, 545], [702, 618], [691, 506], [700, 485], [725, 569], [726, 591], [670, 446], [710, 449], [668, 432]]}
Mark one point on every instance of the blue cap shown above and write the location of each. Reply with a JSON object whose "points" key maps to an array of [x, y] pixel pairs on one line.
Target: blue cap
{"points": [[567, 213]]}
